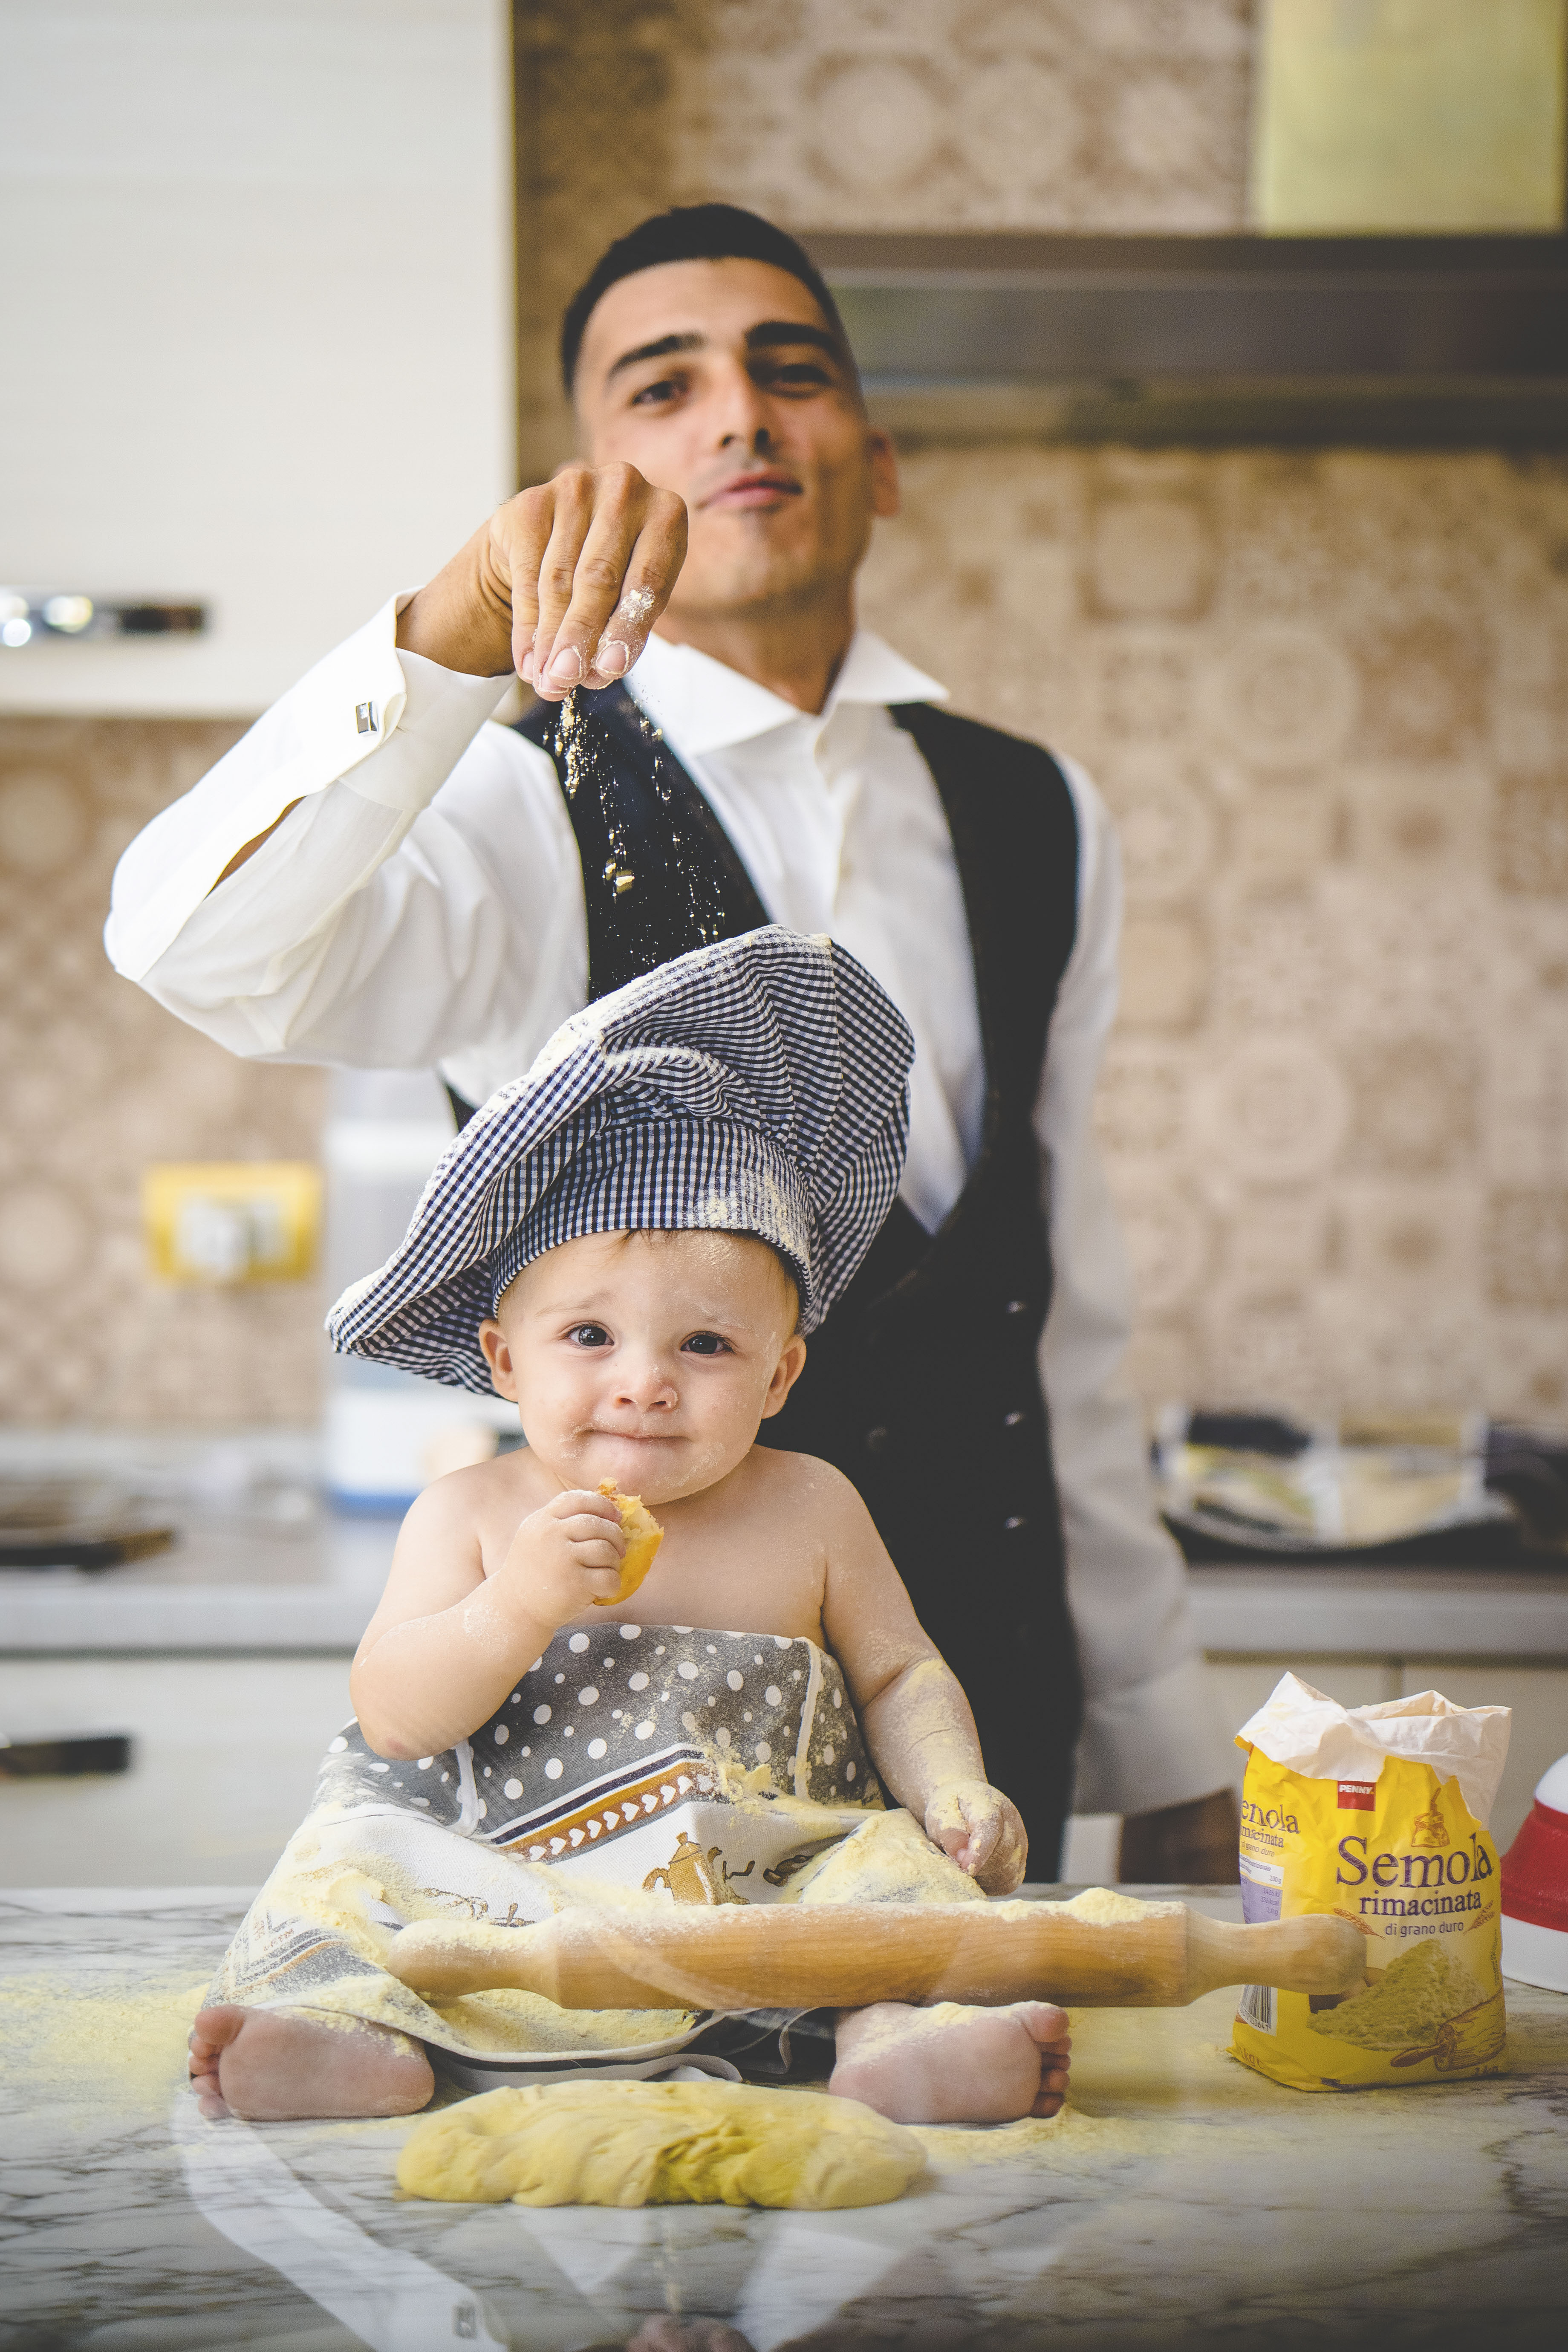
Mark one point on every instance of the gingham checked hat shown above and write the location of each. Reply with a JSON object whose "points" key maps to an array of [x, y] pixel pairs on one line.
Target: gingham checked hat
{"points": [[759, 1086]]}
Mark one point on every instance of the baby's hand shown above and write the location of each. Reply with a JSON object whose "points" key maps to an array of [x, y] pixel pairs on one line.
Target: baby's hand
{"points": [[980, 1827], [566, 1555]]}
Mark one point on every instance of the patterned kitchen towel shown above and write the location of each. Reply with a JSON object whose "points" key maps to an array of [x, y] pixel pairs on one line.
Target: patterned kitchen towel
{"points": [[675, 1763]]}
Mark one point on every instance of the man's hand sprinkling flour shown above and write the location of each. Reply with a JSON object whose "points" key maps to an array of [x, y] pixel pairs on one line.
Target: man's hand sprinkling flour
{"points": [[562, 584]]}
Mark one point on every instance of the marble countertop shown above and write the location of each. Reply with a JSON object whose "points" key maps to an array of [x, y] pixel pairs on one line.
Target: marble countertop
{"points": [[1180, 2200], [308, 1584]]}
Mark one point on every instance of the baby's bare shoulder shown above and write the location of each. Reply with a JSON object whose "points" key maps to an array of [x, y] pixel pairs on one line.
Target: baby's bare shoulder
{"points": [[812, 1490]]}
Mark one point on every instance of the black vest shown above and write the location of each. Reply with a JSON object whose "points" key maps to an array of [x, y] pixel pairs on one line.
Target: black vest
{"points": [[923, 1385]]}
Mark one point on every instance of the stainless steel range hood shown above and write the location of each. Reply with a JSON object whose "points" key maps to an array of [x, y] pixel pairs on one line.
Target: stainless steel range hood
{"points": [[1409, 341]]}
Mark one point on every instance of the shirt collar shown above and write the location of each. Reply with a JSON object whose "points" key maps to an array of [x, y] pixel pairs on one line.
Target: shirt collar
{"points": [[702, 705]]}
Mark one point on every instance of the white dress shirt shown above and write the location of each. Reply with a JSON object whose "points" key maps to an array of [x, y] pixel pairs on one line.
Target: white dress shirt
{"points": [[423, 906]]}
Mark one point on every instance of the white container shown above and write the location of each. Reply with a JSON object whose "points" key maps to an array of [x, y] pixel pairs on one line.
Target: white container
{"points": [[387, 1433]]}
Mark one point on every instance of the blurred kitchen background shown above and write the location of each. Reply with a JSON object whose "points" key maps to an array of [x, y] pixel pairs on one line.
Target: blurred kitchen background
{"points": [[1226, 348]]}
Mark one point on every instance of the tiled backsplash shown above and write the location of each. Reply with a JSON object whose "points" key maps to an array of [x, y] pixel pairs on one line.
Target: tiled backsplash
{"points": [[1327, 698], [95, 1081]]}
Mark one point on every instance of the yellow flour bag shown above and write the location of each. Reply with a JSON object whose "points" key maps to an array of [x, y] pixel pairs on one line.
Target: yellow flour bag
{"points": [[1378, 1814]]}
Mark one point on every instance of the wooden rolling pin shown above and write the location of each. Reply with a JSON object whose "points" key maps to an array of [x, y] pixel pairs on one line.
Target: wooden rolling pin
{"points": [[844, 1955]]}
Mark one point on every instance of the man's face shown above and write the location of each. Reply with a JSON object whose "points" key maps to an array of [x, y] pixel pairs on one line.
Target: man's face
{"points": [[718, 380]]}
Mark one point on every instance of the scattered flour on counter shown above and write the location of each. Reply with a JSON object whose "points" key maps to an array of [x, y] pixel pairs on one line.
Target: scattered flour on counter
{"points": [[1069, 2141], [1104, 1907], [114, 2051]]}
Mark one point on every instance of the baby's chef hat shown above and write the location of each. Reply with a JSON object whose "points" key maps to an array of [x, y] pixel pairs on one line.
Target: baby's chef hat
{"points": [[759, 1086]]}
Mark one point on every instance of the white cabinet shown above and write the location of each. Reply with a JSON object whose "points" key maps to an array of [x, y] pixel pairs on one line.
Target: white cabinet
{"points": [[223, 1758], [259, 289]]}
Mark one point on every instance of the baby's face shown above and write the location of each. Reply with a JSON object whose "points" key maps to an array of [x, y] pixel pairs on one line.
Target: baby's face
{"points": [[649, 1359]]}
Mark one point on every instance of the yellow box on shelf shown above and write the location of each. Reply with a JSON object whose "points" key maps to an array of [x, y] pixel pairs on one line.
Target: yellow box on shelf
{"points": [[1414, 116], [231, 1222]]}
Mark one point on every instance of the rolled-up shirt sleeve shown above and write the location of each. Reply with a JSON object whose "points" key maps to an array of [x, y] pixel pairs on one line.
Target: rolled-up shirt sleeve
{"points": [[1151, 1735], [420, 899]]}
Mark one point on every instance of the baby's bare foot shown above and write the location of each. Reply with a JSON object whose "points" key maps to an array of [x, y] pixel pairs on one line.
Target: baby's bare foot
{"points": [[278, 2065], [951, 2064]]}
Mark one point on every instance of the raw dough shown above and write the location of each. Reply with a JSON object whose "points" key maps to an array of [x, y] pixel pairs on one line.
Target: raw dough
{"points": [[659, 2143], [890, 1859], [644, 1536]]}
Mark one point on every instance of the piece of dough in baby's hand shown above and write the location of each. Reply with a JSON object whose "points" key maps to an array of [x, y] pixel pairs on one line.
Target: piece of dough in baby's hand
{"points": [[644, 1536], [659, 2143]]}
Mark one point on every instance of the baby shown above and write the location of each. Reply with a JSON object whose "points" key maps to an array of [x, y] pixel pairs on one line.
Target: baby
{"points": [[646, 1359]]}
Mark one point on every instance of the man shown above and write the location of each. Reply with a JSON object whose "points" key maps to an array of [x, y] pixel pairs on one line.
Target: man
{"points": [[375, 877]]}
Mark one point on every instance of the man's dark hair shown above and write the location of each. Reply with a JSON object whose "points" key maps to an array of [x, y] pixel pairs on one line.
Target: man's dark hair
{"points": [[694, 233]]}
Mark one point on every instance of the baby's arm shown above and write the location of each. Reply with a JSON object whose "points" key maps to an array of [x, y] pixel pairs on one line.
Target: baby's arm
{"points": [[923, 1736], [912, 1707], [447, 1643]]}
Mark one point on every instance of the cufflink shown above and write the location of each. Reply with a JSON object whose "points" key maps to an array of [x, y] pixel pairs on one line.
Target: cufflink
{"points": [[365, 718]]}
